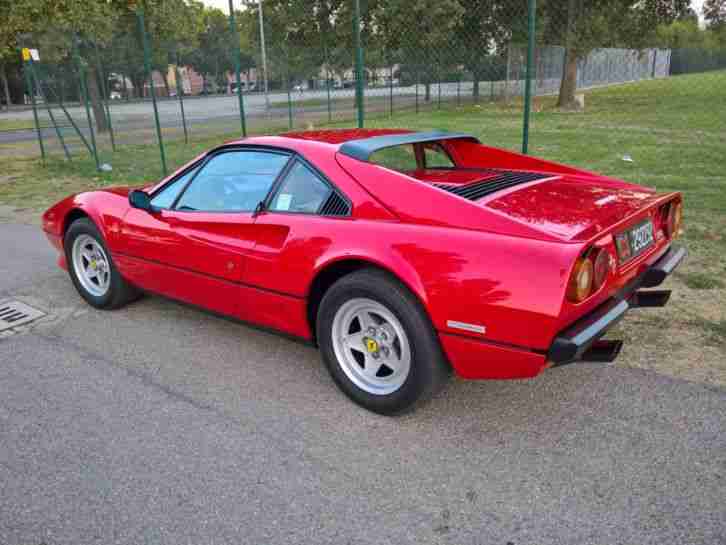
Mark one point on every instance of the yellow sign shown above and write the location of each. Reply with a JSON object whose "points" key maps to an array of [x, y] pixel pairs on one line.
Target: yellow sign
{"points": [[26, 54]]}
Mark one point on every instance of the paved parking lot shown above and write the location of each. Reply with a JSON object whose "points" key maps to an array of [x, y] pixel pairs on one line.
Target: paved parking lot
{"points": [[161, 424]]}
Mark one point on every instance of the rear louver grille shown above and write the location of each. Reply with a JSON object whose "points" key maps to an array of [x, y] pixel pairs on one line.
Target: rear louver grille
{"points": [[503, 180], [335, 205]]}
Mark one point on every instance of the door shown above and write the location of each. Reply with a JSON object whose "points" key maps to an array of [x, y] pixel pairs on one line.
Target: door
{"points": [[291, 234], [194, 244]]}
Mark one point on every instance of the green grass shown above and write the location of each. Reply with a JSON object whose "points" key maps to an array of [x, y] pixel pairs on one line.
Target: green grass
{"points": [[15, 124], [700, 281]]}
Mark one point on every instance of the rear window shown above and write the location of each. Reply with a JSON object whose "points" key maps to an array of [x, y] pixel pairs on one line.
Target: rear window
{"points": [[405, 158], [436, 156], [400, 158]]}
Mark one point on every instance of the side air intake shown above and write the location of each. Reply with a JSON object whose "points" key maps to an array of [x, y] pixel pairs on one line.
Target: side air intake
{"points": [[504, 179], [335, 205]]}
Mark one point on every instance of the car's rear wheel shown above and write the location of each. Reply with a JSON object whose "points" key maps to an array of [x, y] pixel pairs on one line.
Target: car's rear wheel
{"points": [[378, 343], [91, 268]]}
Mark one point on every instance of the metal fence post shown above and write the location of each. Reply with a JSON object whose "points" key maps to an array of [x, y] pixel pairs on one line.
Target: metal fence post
{"points": [[58, 132], [84, 93], [390, 91], [289, 96], [150, 75], [327, 87], [358, 64], [438, 107], [327, 75], [237, 62], [180, 95], [31, 92], [104, 90], [531, 12], [263, 52]]}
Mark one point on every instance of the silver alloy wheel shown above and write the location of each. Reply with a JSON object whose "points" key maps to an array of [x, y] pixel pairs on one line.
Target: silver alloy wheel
{"points": [[371, 346], [91, 265]]}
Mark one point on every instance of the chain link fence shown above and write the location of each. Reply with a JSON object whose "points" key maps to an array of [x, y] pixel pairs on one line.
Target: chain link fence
{"points": [[265, 67]]}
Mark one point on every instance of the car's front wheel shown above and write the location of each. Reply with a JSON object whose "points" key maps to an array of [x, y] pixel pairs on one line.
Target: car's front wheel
{"points": [[378, 343], [91, 268]]}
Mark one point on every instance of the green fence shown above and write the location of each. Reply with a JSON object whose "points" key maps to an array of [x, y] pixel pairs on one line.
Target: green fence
{"points": [[157, 76]]}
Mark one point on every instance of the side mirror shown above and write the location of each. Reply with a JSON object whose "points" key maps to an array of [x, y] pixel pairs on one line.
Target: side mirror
{"points": [[140, 199]]}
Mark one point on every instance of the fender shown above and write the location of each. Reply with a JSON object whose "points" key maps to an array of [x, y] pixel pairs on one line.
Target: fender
{"points": [[106, 208], [392, 263]]}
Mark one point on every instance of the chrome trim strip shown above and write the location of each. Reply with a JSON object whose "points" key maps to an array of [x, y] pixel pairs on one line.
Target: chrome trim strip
{"points": [[453, 324]]}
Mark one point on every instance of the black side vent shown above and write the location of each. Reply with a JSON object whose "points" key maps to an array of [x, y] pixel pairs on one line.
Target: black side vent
{"points": [[476, 190], [335, 205]]}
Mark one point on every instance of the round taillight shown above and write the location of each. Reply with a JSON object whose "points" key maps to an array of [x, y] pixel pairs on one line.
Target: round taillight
{"points": [[675, 218], [580, 284], [601, 268]]}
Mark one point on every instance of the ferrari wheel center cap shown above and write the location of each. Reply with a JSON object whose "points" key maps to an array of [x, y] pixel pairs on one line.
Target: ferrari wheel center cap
{"points": [[371, 345]]}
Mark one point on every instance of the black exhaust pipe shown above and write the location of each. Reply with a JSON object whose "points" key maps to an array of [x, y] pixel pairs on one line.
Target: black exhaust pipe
{"points": [[651, 298], [602, 351]]}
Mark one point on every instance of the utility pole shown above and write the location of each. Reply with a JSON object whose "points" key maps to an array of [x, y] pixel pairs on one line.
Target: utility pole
{"points": [[264, 56]]}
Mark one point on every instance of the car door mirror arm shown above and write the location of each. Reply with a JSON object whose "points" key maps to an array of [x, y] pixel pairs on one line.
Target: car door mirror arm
{"points": [[259, 209]]}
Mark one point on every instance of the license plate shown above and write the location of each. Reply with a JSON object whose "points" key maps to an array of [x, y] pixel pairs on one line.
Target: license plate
{"points": [[635, 241]]}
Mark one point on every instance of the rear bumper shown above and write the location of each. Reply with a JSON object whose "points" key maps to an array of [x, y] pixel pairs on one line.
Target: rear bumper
{"points": [[575, 342], [476, 359]]}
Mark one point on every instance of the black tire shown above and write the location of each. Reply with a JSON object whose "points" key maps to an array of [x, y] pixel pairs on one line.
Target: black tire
{"points": [[120, 292], [429, 368]]}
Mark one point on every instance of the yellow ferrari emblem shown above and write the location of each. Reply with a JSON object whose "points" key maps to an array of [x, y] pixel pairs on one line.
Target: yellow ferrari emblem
{"points": [[371, 346], [93, 265]]}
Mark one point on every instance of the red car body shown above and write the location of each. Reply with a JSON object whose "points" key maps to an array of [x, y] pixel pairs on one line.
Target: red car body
{"points": [[501, 263]]}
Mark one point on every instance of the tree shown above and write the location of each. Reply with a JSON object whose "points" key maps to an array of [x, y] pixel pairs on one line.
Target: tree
{"points": [[213, 56], [683, 33], [714, 12], [583, 25], [421, 33], [483, 33], [17, 16]]}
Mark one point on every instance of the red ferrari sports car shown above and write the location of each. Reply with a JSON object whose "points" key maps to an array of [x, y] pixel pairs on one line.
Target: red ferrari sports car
{"points": [[400, 254]]}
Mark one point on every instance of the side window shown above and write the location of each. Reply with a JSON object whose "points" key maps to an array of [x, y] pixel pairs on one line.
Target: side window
{"points": [[401, 158], [301, 191], [233, 181], [168, 194], [436, 156]]}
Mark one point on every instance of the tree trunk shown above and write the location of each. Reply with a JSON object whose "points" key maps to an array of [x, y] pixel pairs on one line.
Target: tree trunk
{"points": [[427, 95], [96, 103], [568, 86], [6, 87], [139, 86], [475, 89], [166, 82]]}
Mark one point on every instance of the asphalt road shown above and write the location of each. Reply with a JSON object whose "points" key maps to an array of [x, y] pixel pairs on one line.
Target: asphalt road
{"points": [[223, 109], [158, 423]]}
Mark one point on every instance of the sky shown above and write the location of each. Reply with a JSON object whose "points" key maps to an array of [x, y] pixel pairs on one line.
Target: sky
{"points": [[224, 4]]}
